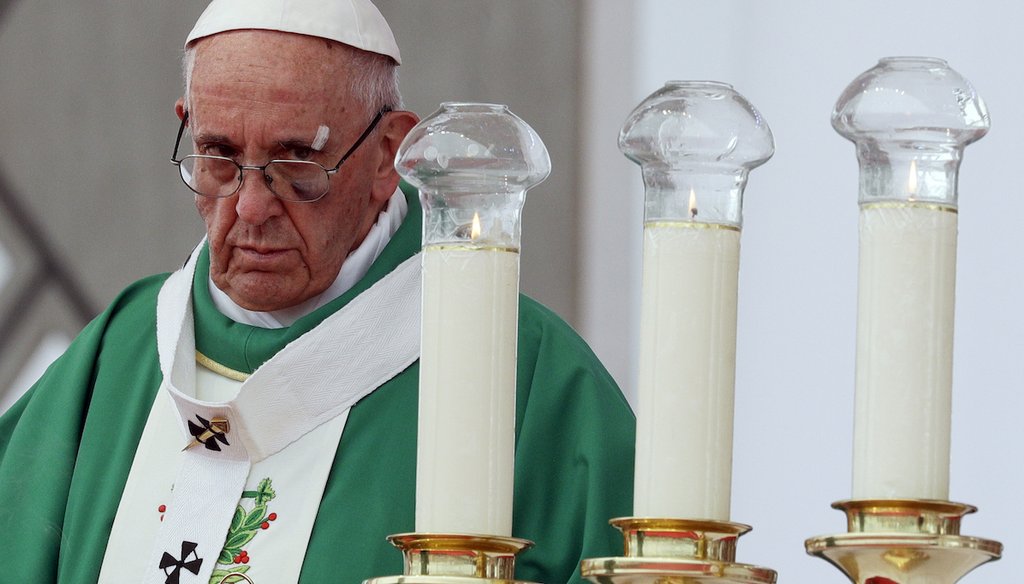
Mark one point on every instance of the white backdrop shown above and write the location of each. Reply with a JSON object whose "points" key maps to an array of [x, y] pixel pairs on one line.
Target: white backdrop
{"points": [[797, 313]]}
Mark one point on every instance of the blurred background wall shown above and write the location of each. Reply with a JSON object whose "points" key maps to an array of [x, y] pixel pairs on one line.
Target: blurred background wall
{"points": [[88, 203]]}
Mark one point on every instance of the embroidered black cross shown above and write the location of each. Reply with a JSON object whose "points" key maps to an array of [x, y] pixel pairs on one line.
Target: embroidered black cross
{"points": [[188, 548], [209, 433]]}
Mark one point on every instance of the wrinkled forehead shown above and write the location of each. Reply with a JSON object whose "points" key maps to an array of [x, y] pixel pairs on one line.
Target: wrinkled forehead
{"points": [[273, 69]]}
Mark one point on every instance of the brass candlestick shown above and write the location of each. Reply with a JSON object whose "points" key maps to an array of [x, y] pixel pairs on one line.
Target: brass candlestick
{"points": [[904, 541], [696, 143], [440, 558], [671, 551], [472, 164]]}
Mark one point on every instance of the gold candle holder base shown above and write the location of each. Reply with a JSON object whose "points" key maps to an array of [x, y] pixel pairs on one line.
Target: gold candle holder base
{"points": [[454, 558], [676, 551], [904, 541]]}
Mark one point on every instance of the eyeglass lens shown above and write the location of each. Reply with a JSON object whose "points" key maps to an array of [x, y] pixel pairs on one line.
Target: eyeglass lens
{"points": [[220, 177]]}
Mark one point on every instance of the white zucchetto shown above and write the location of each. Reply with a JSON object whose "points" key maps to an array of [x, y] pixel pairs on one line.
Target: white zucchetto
{"points": [[357, 23]]}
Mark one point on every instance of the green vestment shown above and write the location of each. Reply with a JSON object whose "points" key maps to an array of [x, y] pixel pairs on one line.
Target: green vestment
{"points": [[66, 447]]}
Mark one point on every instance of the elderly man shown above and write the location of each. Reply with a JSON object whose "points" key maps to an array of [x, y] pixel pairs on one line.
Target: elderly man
{"points": [[238, 419]]}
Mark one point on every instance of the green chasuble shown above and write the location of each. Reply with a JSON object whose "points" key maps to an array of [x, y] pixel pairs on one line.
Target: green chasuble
{"points": [[66, 447]]}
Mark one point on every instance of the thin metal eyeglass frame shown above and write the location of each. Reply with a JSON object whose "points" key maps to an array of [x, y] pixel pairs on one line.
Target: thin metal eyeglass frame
{"points": [[243, 167]]}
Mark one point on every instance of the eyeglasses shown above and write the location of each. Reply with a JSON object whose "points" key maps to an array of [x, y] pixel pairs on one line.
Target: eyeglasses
{"points": [[300, 181]]}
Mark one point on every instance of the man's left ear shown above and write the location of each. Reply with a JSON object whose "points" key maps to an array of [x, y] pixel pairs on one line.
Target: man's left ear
{"points": [[393, 129]]}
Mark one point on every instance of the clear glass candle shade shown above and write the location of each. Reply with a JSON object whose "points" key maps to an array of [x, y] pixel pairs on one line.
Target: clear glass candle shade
{"points": [[486, 220], [696, 142], [697, 192], [473, 163], [910, 118]]}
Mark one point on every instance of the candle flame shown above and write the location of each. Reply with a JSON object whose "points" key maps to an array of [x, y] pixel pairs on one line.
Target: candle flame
{"points": [[693, 203], [912, 181], [474, 231]]}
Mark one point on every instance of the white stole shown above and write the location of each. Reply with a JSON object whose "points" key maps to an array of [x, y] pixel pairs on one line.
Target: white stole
{"points": [[311, 381]]}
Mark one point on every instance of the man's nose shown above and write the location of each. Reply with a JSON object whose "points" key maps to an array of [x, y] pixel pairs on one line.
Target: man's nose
{"points": [[256, 202]]}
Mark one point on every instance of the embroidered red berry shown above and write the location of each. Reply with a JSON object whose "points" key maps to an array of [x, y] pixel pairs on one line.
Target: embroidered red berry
{"points": [[245, 560], [272, 516], [162, 508], [265, 525], [236, 560]]}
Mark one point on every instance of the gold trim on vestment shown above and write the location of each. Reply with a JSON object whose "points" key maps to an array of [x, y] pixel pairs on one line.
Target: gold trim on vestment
{"points": [[220, 369]]}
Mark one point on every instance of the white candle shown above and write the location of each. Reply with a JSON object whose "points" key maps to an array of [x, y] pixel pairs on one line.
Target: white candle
{"points": [[467, 390], [687, 371], [904, 350]]}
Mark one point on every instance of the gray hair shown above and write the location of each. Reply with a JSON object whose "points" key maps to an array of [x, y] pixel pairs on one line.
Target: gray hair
{"points": [[373, 80]]}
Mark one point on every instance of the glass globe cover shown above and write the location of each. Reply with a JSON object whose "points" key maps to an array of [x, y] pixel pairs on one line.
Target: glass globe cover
{"points": [[910, 118], [696, 141], [704, 122], [473, 147], [472, 163], [911, 99]]}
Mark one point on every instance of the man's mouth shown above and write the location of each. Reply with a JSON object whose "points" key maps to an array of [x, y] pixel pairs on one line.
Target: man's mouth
{"points": [[260, 254]]}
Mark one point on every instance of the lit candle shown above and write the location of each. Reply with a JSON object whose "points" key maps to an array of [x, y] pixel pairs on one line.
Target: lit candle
{"points": [[910, 118], [696, 143], [904, 370], [472, 164], [467, 388], [687, 369]]}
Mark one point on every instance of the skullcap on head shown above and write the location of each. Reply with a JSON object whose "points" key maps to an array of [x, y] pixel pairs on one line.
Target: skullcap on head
{"points": [[357, 23]]}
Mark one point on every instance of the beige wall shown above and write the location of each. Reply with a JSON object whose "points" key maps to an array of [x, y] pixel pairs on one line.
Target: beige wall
{"points": [[87, 90]]}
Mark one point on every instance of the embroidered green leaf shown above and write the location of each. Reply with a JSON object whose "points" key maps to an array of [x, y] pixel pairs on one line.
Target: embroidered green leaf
{"points": [[237, 540], [229, 576], [255, 517], [236, 519], [244, 527], [264, 492], [226, 556]]}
